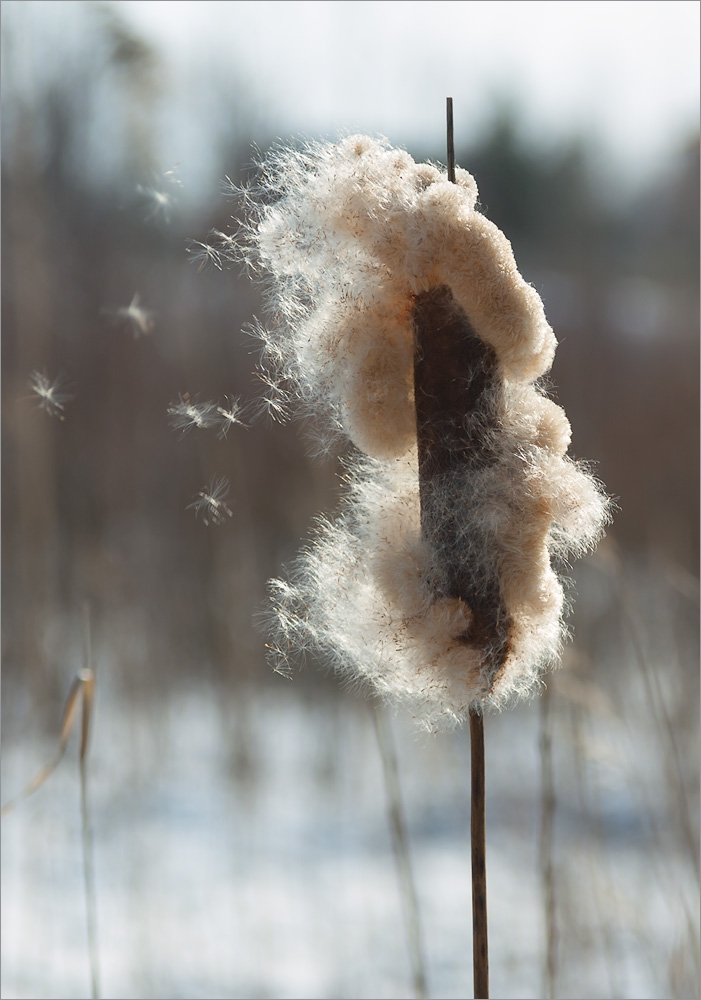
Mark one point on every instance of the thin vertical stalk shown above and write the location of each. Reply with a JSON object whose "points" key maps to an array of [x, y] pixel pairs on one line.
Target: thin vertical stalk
{"points": [[599, 870], [451, 139], [454, 372], [400, 844], [89, 880], [480, 947], [87, 676], [480, 941], [662, 720], [546, 842]]}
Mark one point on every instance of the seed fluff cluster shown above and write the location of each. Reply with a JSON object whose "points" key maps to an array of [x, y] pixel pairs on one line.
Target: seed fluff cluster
{"points": [[358, 245]]}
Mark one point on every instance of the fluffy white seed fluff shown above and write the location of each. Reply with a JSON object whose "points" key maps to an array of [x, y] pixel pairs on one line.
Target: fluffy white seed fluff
{"points": [[349, 234]]}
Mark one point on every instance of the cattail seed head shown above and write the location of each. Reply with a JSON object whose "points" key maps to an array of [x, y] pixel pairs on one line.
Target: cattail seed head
{"points": [[402, 323]]}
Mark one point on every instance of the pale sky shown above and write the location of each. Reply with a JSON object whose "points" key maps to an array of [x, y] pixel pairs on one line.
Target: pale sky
{"points": [[626, 72]]}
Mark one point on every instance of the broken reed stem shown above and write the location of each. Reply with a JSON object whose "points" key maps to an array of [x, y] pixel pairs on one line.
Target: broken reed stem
{"points": [[82, 691], [400, 845], [454, 373]]}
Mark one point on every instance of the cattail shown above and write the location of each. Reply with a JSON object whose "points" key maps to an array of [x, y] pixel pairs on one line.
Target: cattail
{"points": [[434, 584]]}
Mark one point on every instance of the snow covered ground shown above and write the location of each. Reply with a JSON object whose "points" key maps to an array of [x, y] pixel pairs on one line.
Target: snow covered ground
{"points": [[242, 849]]}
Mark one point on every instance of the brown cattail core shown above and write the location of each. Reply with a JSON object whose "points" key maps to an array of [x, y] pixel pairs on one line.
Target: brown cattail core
{"points": [[456, 385]]}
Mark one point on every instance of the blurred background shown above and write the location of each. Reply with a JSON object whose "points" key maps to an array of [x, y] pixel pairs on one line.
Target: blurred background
{"points": [[242, 843]]}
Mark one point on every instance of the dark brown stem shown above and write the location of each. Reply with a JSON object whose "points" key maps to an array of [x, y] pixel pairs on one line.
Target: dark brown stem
{"points": [[451, 141], [480, 950], [478, 846]]}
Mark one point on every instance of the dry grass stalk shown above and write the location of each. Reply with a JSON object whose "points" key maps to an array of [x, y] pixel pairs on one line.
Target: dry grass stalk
{"points": [[663, 722], [87, 676], [547, 818], [400, 844]]}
